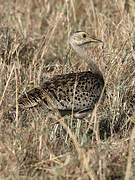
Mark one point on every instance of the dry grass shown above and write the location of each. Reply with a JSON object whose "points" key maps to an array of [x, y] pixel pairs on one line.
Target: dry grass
{"points": [[34, 46]]}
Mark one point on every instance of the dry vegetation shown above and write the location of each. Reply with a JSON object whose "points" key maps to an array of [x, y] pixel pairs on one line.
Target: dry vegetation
{"points": [[34, 46]]}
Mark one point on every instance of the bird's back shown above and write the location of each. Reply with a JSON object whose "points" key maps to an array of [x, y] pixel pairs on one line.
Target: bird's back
{"points": [[78, 91]]}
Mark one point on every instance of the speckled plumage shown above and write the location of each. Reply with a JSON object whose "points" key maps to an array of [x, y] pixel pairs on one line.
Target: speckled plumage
{"points": [[74, 91]]}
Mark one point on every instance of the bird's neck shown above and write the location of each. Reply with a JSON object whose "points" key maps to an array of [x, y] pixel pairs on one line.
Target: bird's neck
{"points": [[82, 52]]}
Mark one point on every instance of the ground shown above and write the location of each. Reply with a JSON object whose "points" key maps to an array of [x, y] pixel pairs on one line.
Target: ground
{"points": [[34, 46]]}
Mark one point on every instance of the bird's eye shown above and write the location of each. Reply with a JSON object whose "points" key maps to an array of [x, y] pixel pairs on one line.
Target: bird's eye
{"points": [[84, 35]]}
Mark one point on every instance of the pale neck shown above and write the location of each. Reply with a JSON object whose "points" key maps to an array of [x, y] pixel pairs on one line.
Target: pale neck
{"points": [[81, 51]]}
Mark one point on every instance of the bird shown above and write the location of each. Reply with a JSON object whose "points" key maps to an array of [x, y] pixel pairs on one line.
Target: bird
{"points": [[76, 93]]}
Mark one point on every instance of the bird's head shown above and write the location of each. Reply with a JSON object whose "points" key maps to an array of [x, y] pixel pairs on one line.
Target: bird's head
{"points": [[78, 41], [81, 38]]}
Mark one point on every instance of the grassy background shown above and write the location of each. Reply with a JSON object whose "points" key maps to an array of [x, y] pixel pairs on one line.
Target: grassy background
{"points": [[34, 46]]}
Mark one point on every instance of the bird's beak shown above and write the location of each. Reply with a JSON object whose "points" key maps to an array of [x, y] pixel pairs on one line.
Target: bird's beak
{"points": [[94, 40], [91, 40]]}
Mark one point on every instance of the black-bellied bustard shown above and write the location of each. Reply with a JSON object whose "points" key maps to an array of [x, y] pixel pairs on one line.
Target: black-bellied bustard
{"points": [[73, 92]]}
